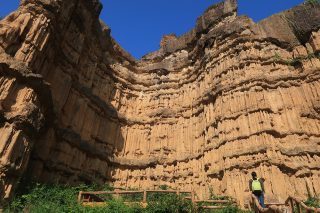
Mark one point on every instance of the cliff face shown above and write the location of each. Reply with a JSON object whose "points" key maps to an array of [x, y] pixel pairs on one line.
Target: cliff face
{"points": [[225, 99]]}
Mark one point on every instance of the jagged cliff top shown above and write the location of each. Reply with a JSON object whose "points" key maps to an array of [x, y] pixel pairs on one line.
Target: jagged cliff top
{"points": [[296, 25]]}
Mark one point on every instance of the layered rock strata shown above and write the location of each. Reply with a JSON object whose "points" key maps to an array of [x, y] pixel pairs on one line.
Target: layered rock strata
{"points": [[229, 97]]}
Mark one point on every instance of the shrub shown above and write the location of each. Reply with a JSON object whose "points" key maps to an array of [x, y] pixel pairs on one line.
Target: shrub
{"points": [[45, 199], [116, 206], [169, 203], [49, 198]]}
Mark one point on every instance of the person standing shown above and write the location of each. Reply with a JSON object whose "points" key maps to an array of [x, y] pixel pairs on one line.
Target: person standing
{"points": [[257, 188]]}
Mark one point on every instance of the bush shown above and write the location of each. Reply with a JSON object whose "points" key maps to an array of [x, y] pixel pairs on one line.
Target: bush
{"points": [[45, 199], [116, 206], [169, 203], [49, 198]]}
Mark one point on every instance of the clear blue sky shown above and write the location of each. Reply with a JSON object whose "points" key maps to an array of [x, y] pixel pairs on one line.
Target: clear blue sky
{"points": [[138, 25]]}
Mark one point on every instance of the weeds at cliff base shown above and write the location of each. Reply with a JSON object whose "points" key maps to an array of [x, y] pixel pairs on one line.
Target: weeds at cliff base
{"points": [[59, 199]]}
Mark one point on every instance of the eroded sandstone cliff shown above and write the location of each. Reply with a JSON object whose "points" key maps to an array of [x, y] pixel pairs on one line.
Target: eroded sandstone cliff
{"points": [[229, 97]]}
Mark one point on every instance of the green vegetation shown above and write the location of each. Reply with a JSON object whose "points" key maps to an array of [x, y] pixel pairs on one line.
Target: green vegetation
{"points": [[313, 202], [312, 1], [294, 61], [51, 199], [56, 198], [167, 203], [277, 57], [290, 62], [229, 209], [164, 187]]}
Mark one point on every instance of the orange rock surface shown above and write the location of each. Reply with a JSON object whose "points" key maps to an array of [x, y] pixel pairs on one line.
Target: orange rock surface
{"points": [[225, 99]]}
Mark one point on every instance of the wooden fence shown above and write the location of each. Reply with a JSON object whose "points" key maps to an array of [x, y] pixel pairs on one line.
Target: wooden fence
{"points": [[300, 206], [291, 205], [95, 199]]}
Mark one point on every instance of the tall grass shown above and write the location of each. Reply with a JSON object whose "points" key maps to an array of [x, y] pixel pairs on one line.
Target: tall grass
{"points": [[63, 199]]}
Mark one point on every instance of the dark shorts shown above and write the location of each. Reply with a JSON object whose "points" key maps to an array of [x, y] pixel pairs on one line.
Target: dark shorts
{"points": [[257, 193]]}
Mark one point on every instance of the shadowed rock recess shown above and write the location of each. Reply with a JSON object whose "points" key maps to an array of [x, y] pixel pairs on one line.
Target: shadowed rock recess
{"points": [[225, 99]]}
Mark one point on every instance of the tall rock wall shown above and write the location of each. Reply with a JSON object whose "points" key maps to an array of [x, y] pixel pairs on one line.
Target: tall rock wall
{"points": [[229, 97]]}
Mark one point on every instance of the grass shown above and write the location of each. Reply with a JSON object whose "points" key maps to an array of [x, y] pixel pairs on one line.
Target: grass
{"points": [[39, 198]]}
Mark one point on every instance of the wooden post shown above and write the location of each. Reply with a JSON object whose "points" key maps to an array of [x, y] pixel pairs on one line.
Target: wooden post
{"points": [[254, 203], [79, 196], [299, 207], [249, 206], [192, 197], [145, 196], [291, 204], [117, 195]]}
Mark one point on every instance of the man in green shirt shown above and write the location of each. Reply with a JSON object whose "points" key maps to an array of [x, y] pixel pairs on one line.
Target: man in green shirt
{"points": [[257, 188]]}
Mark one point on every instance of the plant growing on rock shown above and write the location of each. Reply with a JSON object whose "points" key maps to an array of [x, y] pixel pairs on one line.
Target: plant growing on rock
{"points": [[312, 1], [277, 57], [313, 202]]}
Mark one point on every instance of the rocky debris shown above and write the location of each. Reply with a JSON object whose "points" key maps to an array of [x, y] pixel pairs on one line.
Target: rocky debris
{"points": [[229, 97]]}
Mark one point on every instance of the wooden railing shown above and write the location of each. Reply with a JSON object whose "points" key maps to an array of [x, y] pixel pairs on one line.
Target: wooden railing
{"points": [[95, 199], [293, 205], [214, 204], [256, 205], [300, 206]]}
